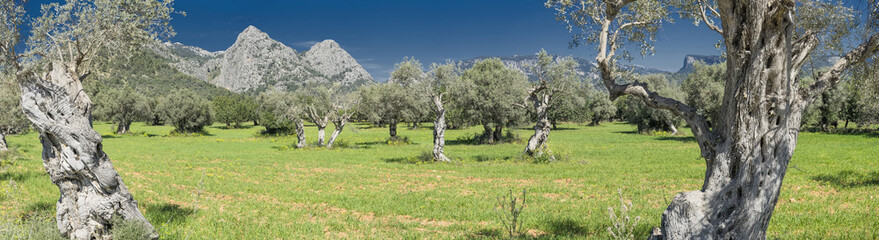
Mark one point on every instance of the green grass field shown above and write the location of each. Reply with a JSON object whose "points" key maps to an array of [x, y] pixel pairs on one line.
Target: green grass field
{"points": [[236, 185]]}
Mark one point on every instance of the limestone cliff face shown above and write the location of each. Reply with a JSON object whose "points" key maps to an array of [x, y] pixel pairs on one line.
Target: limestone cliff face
{"points": [[256, 62], [329, 59]]}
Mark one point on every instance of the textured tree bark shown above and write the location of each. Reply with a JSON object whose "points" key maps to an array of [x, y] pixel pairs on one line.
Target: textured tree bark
{"points": [[756, 137], [3, 146], [392, 128], [91, 190], [300, 133], [439, 130], [340, 124], [543, 125]]}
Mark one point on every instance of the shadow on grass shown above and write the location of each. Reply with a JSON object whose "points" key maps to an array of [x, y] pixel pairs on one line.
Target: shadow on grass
{"points": [[38, 210], [233, 127], [17, 176], [168, 214], [849, 179], [677, 138], [107, 136]]}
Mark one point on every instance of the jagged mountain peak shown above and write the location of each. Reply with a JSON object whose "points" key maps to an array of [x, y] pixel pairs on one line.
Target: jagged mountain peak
{"points": [[256, 62]]}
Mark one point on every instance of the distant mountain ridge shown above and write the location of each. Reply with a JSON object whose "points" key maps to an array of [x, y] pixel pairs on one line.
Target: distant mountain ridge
{"points": [[256, 62]]}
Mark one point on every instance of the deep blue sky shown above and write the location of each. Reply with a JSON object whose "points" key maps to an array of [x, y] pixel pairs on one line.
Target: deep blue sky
{"points": [[379, 33]]}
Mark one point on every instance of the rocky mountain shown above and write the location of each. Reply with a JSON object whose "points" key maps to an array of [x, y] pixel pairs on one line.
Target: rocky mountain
{"points": [[256, 62], [691, 60]]}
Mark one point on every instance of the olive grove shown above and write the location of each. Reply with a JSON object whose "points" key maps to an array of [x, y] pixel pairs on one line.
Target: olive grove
{"points": [[747, 151], [553, 79], [65, 40]]}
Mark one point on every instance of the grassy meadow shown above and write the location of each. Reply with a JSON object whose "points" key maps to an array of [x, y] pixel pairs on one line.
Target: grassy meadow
{"points": [[234, 184]]}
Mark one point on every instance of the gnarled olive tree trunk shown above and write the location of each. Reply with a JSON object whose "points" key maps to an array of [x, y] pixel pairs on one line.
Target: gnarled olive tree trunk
{"points": [[748, 153], [439, 130], [91, 190], [543, 125], [339, 124], [300, 133], [321, 127]]}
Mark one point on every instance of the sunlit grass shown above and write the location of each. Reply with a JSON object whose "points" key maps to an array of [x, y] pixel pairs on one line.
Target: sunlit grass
{"points": [[256, 187]]}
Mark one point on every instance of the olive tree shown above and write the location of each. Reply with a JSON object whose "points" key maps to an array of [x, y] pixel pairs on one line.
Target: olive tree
{"points": [[766, 43], [491, 94], [438, 82], [704, 89], [386, 103], [409, 74], [316, 102], [122, 107], [344, 107], [186, 111], [13, 120], [66, 40], [280, 113], [553, 78], [233, 109]]}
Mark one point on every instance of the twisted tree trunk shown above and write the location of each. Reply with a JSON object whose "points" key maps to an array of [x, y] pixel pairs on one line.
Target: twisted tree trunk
{"points": [[320, 134], [3, 146], [300, 133], [439, 130], [748, 155], [91, 190], [339, 124], [498, 133], [543, 125]]}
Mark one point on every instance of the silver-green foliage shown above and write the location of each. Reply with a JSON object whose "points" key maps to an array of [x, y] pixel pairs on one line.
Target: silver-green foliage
{"points": [[489, 94], [186, 111], [635, 111], [704, 89], [122, 107]]}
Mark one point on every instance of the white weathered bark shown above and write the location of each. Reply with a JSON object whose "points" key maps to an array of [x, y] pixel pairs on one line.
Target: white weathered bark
{"points": [[300, 133], [340, 124], [439, 130], [543, 125], [91, 190], [321, 134], [3, 146], [674, 130], [761, 116], [321, 119]]}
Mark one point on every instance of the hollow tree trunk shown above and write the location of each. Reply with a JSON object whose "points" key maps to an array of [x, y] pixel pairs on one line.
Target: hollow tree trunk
{"points": [[340, 124], [3, 146], [300, 133], [439, 130], [123, 127], [392, 128], [92, 192], [542, 127]]}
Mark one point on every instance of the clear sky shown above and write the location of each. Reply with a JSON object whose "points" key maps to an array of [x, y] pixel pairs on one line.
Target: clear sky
{"points": [[379, 33]]}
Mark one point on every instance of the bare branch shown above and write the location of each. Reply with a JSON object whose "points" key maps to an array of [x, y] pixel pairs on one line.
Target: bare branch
{"points": [[698, 123], [801, 49], [708, 21], [866, 50]]}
